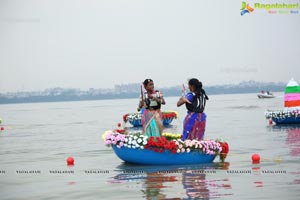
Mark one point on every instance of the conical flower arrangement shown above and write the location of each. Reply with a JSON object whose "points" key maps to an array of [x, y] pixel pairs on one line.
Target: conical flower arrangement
{"points": [[292, 95]]}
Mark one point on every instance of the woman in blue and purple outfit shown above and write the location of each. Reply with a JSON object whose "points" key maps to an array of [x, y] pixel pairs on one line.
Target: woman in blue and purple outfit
{"points": [[195, 100]]}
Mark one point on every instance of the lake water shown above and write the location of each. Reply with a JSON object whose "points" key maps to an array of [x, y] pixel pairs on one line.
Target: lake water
{"points": [[39, 137]]}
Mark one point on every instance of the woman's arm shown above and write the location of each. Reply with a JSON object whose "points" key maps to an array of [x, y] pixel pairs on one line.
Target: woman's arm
{"points": [[182, 101], [141, 104], [162, 100]]}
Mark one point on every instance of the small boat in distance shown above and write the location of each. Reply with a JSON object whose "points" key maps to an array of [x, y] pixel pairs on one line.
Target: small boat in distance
{"points": [[265, 94]]}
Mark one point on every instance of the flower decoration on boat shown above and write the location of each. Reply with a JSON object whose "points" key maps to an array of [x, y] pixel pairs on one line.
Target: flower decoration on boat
{"points": [[105, 134], [160, 144], [281, 114], [132, 116], [171, 136], [224, 151], [206, 146], [125, 117], [120, 129], [135, 141], [168, 115], [114, 138]]}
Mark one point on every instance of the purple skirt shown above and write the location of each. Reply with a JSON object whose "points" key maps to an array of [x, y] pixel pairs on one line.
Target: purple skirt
{"points": [[194, 126]]}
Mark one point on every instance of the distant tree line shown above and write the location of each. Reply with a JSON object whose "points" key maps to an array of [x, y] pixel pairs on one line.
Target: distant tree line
{"points": [[68, 95]]}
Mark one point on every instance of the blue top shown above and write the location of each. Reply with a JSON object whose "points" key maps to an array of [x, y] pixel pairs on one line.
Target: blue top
{"points": [[197, 103], [189, 96]]}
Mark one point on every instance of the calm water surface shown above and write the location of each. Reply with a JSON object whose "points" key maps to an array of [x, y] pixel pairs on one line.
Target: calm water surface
{"points": [[40, 136]]}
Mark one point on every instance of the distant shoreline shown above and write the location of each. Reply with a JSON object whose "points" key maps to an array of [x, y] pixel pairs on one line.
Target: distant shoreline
{"points": [[64, 95]]}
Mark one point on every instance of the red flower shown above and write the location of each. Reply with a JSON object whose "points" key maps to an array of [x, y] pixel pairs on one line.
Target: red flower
{"points": [[225, 150], [125, 117], [169, 115], [159, 139], [120, 131], [159, 144]]}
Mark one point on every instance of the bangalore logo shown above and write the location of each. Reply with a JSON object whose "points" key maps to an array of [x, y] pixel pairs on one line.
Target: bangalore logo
{"points": [[246, 8]]}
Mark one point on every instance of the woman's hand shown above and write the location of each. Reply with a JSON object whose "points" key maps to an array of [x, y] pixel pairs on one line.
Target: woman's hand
{"points": [[141, 104], [157, 99]]}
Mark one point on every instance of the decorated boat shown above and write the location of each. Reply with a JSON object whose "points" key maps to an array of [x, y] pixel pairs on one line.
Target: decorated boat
{"points": [[168, 149], [135, 119], [284, 117], [291, 112]]}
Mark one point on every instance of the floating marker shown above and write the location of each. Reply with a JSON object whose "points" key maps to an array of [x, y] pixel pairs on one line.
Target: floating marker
{"points": [[255, 158], [70, 161]]}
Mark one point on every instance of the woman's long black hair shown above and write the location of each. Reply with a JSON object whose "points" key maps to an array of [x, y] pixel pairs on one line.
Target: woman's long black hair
{"points": [[198, 85]]}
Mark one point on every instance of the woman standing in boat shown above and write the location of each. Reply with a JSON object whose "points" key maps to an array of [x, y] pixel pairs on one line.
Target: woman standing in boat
{"points": [[151, 100], [195, 121]]}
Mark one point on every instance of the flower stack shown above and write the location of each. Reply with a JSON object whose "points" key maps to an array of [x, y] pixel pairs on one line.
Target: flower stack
{"points": [[292, 95]]}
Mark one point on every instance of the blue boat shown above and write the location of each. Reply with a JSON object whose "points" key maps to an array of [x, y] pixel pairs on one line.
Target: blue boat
{"points": [[148, 157], [135, 122], [286, 120], [135, 119]]}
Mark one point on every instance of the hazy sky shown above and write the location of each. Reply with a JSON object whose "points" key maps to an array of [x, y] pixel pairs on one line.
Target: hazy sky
{"points": [[97, 44]]}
